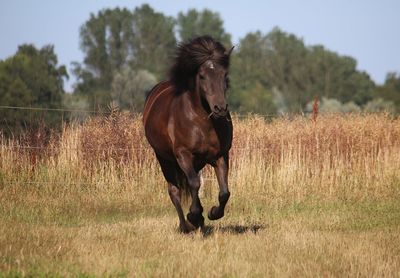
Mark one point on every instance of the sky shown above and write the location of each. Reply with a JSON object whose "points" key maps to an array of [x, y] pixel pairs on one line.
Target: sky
{"points": [[367, 30]]}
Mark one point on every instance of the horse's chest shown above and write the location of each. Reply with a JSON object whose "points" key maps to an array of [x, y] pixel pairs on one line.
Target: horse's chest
{"points": [[210, 146]]}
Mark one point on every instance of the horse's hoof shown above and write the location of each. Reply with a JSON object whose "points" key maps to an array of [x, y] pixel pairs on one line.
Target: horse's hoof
{"points": [[215, 213], [187, 227], [196, 220]]}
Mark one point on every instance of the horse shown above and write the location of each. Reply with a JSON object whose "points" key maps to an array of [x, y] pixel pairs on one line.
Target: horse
{"points": [[187, 123]]}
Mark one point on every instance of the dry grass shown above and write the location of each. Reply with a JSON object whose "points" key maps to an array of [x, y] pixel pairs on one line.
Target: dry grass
{"points": [[338, 157], [308, 199]]}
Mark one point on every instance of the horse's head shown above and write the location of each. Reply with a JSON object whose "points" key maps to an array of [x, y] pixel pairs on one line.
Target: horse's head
{"points": [[202, 64], [212, 80]]}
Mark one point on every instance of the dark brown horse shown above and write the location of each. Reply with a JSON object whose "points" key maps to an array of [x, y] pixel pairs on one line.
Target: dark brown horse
{"points": [[187, 122]]}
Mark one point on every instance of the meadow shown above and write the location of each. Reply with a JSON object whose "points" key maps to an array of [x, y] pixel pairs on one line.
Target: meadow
{"points": [[308, 198]]}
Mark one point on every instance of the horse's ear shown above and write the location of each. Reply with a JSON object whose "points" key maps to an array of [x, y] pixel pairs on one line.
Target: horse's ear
{"points": [[230, 51]]}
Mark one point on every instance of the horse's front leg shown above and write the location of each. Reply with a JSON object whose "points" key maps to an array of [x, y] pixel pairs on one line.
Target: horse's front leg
{"points": [[185, 161], [221, 168]]}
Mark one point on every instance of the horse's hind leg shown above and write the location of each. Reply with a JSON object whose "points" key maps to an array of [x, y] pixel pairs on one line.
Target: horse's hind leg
{"points": [[175, 195], [169, 170], [221, 170]]}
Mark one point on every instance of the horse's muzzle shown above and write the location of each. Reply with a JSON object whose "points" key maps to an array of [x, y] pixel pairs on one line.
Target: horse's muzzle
{"points": [[220, 112]]}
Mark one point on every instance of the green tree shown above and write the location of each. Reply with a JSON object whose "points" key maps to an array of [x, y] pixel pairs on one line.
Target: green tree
{"points": [[390, 90], [257, 99], [154, 42], [129, 88], [117, 38], [79, 106], [205, 22], [296, 73], [107, 42], [337, 77], [286, 66], [249, 88], [276, 61], [31, 78], [380, 105]]}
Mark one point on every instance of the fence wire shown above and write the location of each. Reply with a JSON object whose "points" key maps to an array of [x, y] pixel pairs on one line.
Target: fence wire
{"points": [[98, 112], [102, 149], [72, 149], [49, 109], [84, 183]]}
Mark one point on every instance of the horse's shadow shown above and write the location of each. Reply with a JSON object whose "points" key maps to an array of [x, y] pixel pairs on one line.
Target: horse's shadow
{"points": [[209, 230]]}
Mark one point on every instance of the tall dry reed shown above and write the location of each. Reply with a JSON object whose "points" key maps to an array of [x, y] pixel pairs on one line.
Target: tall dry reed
{"points": [[285, 160], [336, 156]]}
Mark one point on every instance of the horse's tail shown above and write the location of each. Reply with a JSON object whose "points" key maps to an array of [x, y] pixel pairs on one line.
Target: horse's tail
{"points": [[183, 184]]}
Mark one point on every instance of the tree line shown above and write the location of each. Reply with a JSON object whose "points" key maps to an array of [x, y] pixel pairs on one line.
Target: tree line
{"points": [[127, 51]]}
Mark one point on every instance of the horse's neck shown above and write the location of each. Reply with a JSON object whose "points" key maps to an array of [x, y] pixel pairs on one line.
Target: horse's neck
{"points": [[194, 93], [196, 100], [191, 100]]}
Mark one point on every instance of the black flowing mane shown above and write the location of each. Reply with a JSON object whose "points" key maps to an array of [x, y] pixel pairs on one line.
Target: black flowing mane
{"points": [[192, 54]]}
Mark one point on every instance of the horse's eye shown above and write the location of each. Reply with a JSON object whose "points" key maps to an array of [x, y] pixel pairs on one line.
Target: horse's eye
{"points": [[202, 77]]}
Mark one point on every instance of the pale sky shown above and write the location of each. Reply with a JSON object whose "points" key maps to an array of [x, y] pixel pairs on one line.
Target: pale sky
{"points": [[367, 30]]}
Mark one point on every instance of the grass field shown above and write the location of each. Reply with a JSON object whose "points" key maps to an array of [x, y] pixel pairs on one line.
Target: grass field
{"points": [[308, 199]]}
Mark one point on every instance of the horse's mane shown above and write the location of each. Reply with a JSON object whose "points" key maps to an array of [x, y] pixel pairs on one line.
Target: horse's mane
{"points": [[191, 55]]}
